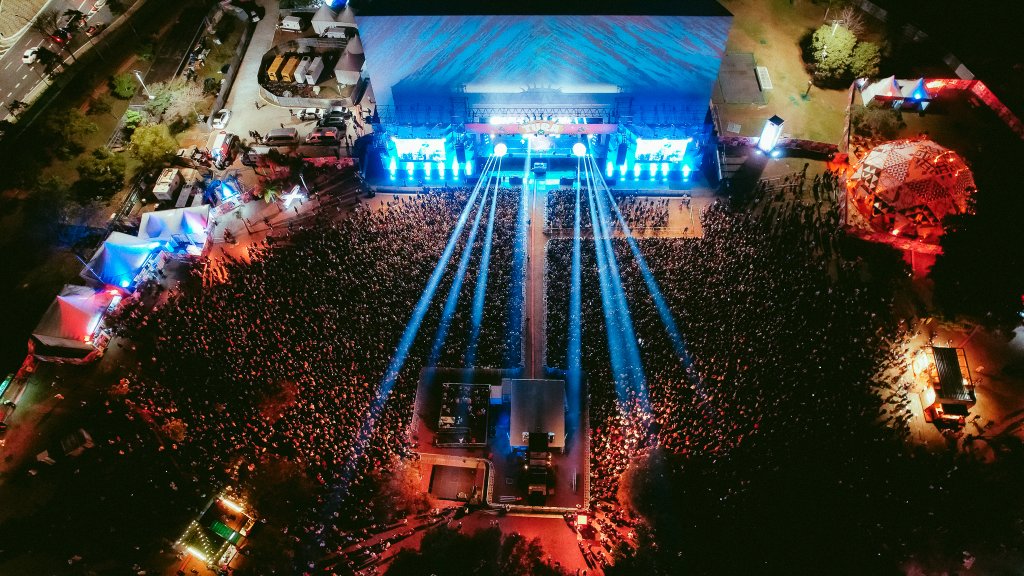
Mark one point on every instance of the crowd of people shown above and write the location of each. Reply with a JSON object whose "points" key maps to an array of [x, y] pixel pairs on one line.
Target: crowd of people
{"points": [[768, 313], [639, 212], [282, 353]]}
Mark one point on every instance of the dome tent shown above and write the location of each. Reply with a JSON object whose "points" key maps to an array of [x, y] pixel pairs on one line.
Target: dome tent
{"points": [[906, 187]]}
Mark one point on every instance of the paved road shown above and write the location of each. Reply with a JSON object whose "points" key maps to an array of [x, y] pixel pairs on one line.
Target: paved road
{"points": [[18, 78]]}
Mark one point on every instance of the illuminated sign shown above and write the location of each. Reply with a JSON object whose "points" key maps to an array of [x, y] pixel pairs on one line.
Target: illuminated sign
{"points": [[542, 128]]}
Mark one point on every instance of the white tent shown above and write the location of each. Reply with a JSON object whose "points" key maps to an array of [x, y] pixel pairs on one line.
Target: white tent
{"points": [[119, 260], [324, 19], [349, 68], [71, 320], [188, 225]]}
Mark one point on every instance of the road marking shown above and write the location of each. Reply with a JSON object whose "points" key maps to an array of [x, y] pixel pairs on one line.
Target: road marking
{"points": [[16, 85], [25, 76]]}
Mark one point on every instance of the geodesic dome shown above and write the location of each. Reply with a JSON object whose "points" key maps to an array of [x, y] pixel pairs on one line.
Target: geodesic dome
{"points": [[907, 187]]}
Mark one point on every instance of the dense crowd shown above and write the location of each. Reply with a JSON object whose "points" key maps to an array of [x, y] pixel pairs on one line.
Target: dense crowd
{"points": [[283, 353], [639, 212], [768, 313]]}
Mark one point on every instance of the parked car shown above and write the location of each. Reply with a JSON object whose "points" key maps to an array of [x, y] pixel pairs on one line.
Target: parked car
{"points": [[307, 114], [92, 30], [324, 135], [31, 55], [221, 119]]}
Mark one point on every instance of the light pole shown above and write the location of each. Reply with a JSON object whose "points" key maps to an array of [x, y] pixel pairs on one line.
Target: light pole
{"points": [[144, 89]]}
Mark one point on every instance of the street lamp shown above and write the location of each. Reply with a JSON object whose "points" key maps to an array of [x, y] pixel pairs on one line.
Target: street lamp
{"points": [[144, 89]]}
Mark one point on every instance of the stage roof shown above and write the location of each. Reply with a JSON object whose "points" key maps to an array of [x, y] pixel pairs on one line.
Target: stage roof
{"points": [[951, 376], [166, 224], [538, 406], [119, 259], [542, 8]]}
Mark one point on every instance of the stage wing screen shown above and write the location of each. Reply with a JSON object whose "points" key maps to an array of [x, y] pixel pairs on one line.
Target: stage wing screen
{"points": [[660, 150], [419, 149]]}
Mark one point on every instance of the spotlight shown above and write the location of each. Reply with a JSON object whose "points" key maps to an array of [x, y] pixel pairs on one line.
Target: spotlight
{"points": [[500, 149], [579, 149]]}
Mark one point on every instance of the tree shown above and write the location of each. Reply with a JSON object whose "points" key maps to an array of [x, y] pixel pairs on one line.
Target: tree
{"points": [[99, 105], [46, 22], [832, 46], [163, 94], [186, 96], [132, 119], [47, 208], [153, 144], [70, 127], [851, 18], [123, 85], [102, 172], [865, 59]]}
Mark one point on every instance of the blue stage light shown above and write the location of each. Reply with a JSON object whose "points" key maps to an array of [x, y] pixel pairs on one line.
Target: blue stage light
{"points": [[500, 149], [579, 149]]}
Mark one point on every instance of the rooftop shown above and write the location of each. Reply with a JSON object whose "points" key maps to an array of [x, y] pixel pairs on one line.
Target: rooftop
{"points": [[540, 8]]}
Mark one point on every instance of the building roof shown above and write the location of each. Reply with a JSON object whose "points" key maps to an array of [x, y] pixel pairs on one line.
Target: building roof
{"points": [[538, 406], [951, 375], [541, 8]]}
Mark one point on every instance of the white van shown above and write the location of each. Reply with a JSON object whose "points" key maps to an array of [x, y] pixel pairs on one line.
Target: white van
{"points": [[292, 24], [282, 137]]}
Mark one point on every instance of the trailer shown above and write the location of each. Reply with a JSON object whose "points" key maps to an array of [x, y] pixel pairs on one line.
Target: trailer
{"points": [[315, 71], [273, 71], [300, 71], [288, 70], [167, 184]]}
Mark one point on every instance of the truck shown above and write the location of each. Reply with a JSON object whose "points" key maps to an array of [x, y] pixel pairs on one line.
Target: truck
{"points": [[314, 71], [288, 70], [274, 70], [300, 71], [167, 184], [292, 24]]}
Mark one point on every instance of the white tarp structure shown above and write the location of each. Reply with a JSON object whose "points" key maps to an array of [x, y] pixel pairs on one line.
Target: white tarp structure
{"points": [[326, 19], [71, 320], [349, 68], [188, 225], [538, 406]]}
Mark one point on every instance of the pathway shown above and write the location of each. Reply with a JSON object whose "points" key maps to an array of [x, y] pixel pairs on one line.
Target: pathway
{"points": [[536, 312]]}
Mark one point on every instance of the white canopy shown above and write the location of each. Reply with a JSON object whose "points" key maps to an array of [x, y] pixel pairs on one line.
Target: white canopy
{"points": [[72, 318], [189, 224]]}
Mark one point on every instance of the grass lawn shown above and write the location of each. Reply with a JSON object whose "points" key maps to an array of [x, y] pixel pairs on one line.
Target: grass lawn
{"points": [[771, 30]]}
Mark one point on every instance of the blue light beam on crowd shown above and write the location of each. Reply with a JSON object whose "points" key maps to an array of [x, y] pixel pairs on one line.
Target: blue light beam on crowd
{"points": [[678, 344], [573, 351], [613, 332], [402, 349], [514, 337], [455, 290], [633, 363], [481, 279], [413, 326]]}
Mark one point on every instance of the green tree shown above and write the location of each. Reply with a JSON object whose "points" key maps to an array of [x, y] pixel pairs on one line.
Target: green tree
{"points": [[123, 85], [132, 119], [832, 46], [865, 59], [102, 172], [152, 144], [163, 94], [70, 127]]}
